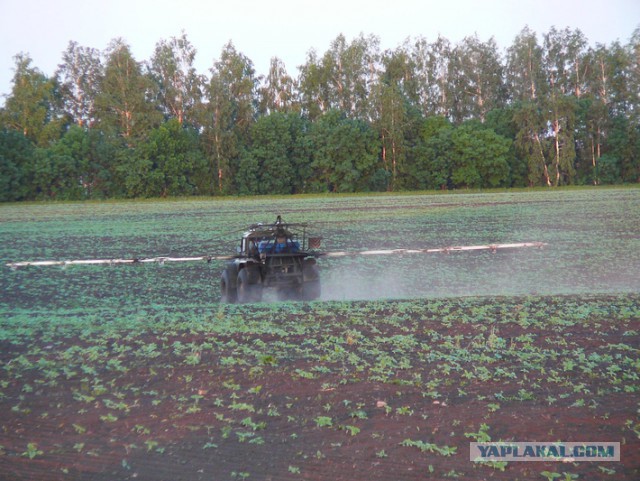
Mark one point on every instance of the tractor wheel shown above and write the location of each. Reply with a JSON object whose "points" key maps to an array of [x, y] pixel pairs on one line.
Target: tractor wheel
{"points": [[228, 295], [249, 286], [311, 289]]}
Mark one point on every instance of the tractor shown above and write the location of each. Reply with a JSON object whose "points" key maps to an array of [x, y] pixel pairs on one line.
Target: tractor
{"points": [[272, 256]]}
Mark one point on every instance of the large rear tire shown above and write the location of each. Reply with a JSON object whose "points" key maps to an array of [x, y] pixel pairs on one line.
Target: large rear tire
{"points": [[228, 294], [249, 285], [311, 289]]}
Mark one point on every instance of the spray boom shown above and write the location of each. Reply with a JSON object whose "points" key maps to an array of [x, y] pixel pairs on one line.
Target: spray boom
{"points": [[163, 260]]}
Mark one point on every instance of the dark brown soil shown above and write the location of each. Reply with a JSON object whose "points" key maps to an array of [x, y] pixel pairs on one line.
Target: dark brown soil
{"points": [[270, 422]]}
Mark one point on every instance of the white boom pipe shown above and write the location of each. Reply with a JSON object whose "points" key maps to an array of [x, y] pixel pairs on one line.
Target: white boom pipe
{"points": [[446, 250], [162, 260], [90, 262]]}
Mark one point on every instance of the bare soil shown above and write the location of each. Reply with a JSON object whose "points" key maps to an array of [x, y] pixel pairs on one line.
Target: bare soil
{"points": [[267, 421]]}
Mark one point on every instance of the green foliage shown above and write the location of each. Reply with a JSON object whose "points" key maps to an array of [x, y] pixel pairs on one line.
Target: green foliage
{"points": [[276, 159], [482, 436], [344, 153], [168, 163], [16, 152], [463, 157], [323, 421], [478, 157], [29, 108], [123, 106], [55, 176], [430, 447], [32, 451]]}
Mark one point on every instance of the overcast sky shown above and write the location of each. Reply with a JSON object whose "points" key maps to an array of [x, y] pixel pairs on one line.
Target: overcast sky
{"points": [[286, 28]]}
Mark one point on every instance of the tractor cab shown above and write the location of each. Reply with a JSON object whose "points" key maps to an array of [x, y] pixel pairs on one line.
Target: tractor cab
{"points": [[261, 241]]}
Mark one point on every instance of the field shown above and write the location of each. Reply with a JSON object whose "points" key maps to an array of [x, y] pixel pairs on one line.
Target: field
{"points": [[137, 372]]}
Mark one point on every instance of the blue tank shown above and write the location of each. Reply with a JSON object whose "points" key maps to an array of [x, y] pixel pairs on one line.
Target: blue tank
{"points": [[272, 247]]}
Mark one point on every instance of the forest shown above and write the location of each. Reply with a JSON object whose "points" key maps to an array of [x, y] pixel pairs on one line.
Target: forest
{"points": [[549, 110]]}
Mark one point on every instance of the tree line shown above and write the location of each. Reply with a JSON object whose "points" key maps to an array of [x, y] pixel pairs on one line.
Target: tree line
{"points": [[546, 111]]}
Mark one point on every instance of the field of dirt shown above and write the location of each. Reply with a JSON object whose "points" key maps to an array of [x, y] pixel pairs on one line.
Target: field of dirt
{"points": [[318, 402], [139, 373]]}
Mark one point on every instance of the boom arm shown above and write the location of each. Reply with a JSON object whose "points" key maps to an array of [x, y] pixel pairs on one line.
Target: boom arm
{"points": [[91, 262], [446, 250], [162, 260]]}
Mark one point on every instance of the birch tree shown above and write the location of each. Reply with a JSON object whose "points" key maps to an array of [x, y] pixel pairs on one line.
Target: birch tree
{"points": [[278, 92], [230, 114], [29, 106], [179, 86], [79, 76], [125, 104], [478, 86], [524, 70]]}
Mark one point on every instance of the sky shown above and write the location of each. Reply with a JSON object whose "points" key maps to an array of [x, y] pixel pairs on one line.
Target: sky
{"points": [[288, 29]]}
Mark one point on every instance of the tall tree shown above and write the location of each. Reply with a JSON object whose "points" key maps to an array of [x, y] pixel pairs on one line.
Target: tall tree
{"points": [[531, 141], [390, 123], [178, 84], [278, 91], [545, 139], [313, 87], [565, 61], [595, 109], [342, 79], [562, 119], [477, 79], [424, 94], [29, 108], [400, 70], [79, 77], [592, 124], [563, 67], [124, 106], [439, 66], [524, 68], [352, 66], [397, 116], [231, 111], [633, 50]]}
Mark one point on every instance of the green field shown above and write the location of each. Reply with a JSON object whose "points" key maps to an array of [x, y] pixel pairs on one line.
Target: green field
{"points": [[137, 372]]}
